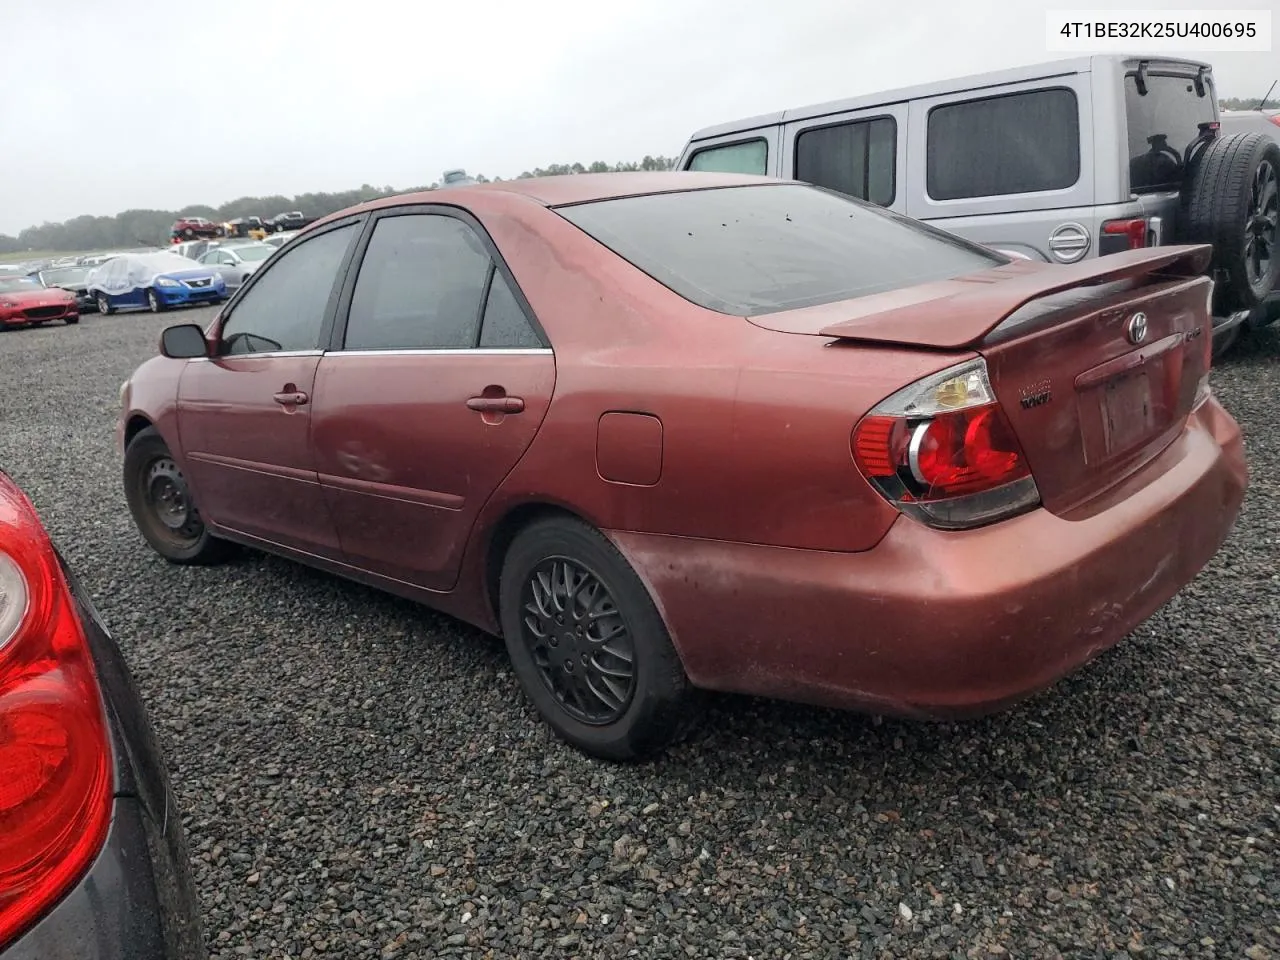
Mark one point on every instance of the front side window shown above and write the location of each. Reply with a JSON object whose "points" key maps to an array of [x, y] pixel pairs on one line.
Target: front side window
{"points": [[1009, 144], [855, 158], [420, 286], [1162, 124], [285, 307], [752, 156], [748, 251]]}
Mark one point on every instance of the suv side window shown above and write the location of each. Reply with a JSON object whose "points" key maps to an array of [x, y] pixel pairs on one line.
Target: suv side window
{"points": [[750, 156], [284, 309], [857, 158], [420, 285], [1007, 144]]}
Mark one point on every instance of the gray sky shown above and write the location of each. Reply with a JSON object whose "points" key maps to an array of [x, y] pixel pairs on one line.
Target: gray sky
{"points": [[108, 106]]}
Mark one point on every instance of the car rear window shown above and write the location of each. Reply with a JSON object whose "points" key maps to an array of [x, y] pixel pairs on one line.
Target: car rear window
{"points": [[748, 251], [1162, 124]]}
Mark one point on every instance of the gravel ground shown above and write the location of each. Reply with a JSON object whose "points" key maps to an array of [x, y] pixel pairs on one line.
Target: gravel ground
{"points": [[361, 778]]}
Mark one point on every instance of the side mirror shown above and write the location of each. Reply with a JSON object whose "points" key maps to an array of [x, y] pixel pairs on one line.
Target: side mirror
{"points": [[184, 342]]}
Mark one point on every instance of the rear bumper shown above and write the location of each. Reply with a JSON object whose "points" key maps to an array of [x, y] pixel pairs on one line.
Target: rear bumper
{"points": [[120, 909], [932, 623]]}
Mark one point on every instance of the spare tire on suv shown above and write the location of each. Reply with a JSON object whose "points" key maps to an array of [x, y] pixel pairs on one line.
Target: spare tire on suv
{"points": [[1232, 200]]}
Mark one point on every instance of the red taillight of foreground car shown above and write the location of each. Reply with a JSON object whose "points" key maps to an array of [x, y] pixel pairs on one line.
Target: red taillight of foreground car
{"points": [[55, 762], [943, 451]]}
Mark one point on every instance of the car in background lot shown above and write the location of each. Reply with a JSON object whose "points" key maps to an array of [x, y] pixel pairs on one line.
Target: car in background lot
{"points": [[293, 220], [25, 303], [156, 281], [188, 228], [250, 227], [1061, 161], [236, 262], [93, 859], [800, 446], [278, 240], [74, 279], [1251, 121], [194, 249]]}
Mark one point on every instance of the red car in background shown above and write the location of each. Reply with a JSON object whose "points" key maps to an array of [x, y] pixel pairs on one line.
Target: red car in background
{"points": [[188, 228], [668, 431], [25, 302]]}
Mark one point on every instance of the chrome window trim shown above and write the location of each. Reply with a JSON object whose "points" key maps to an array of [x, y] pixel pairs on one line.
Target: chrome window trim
{"points": [[251, 356], [446, 352]]}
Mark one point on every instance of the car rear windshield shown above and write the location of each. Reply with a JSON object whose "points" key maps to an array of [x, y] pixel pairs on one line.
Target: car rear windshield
{"points": [[748, 251], [1163, 122]]}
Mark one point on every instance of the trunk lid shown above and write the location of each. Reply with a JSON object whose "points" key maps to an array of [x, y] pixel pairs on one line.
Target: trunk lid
{"points": [[1096, 365]]}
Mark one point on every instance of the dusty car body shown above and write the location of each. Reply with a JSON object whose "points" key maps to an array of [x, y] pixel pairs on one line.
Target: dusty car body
{"points": [[929, 484]]}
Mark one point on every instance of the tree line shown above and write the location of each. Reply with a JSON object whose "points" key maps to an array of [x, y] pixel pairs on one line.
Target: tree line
{"points": [[1235, 103], [151, 227]]}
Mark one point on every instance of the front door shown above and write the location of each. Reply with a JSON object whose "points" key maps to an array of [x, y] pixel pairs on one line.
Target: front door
{"points": [[437, 389], [245, 415]]}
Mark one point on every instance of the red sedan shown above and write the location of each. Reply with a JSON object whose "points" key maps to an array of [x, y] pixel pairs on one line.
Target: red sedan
{"points": [[676, 431], [24, 302]]}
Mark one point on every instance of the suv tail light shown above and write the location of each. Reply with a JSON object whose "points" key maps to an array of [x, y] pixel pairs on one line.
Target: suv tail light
{"points": [[1118, 235], [941, 450], [55, 762]]}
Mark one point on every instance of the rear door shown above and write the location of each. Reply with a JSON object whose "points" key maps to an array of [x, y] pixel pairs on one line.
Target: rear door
{"points": [[244, 416], [1010, 166], [860, 153], [436, 384]]}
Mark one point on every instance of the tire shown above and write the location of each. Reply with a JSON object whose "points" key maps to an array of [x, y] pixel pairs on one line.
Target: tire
{"points": [[1231, 200], [71, 320], [648, 710], [162, 506], [154, 303], [188, 233], [104, 305]]}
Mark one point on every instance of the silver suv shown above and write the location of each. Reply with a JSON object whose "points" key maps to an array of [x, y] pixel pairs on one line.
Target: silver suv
{"points": [[1059, 161]]}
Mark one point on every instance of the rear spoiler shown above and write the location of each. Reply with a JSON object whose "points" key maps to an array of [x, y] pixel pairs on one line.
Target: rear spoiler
{"points": [[977, 304]]}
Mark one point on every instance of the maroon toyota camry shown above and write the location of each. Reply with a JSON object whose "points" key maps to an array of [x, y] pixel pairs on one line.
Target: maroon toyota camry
{"points": [[675, 431]]}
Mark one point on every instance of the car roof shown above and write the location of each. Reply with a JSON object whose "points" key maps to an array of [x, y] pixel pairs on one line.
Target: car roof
{"points": [[569, 188], [1037, 71]]}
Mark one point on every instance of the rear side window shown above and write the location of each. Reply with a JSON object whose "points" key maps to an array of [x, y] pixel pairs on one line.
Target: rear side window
{"points": [[505, 323], [748, 251], [751, 156], [997, 146], [855, 158], [1162, 124], [420, 286]]}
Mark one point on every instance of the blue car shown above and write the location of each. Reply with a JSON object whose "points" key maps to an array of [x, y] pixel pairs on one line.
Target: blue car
{"points": [[156, 281]]}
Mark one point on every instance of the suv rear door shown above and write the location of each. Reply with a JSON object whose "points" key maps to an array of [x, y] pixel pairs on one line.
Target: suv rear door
{"points": [[1008, 166]]}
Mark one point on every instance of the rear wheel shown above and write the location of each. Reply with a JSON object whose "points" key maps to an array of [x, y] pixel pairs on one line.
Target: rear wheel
{"points": [[1232, 200], [162, 506], [588, 644]]}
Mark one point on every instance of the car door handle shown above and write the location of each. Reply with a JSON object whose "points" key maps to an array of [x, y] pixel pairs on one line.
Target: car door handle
{"points": [[295, 397], [496, 404]]}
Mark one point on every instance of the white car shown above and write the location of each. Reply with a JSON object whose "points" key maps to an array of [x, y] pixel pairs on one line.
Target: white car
{"points": [[278, 240], [236, 261]]}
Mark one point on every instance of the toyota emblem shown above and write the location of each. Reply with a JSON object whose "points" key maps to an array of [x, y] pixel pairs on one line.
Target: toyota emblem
{"points": [[1136, 329]]}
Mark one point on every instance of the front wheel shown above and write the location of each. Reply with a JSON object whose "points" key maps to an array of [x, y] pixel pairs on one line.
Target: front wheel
{"points": [[154, 303], [162, 505], [588, 644], [104, 304], [70, 320]]}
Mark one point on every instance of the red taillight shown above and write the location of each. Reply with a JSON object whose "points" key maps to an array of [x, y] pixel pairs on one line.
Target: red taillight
{"points": [[943, 451], [55, 762], [1134, 231]]}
